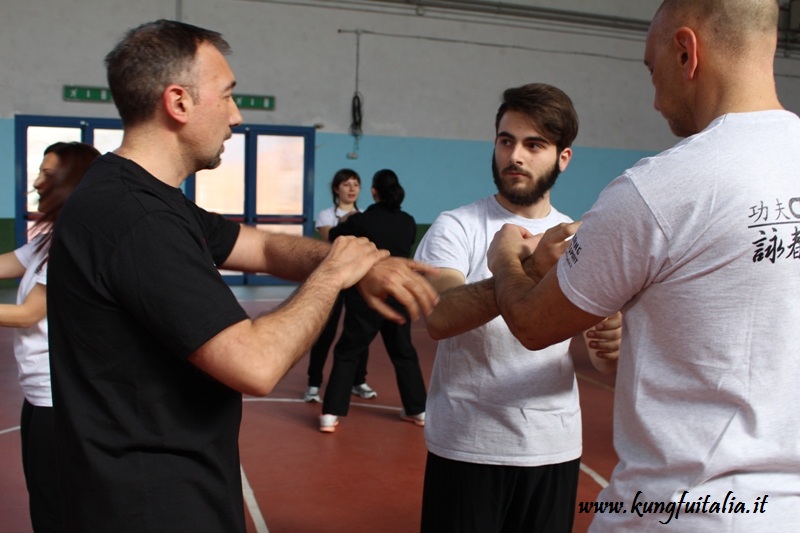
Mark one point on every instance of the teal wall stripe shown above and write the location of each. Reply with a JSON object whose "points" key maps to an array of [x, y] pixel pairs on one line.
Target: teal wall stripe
{"points": [[437, 174], [440, 174]]}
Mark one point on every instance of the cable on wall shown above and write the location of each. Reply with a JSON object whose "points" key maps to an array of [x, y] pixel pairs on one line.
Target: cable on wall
{"points": [[356, 114], [516, 14], [580, 53], [493, 45]]}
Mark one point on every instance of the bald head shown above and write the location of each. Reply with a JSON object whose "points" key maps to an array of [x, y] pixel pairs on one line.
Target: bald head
{"points": [[731, 27], [711, 57]]}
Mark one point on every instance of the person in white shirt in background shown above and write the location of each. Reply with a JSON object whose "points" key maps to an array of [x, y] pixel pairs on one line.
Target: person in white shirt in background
{"points": [[61, 170], [345, 188]]}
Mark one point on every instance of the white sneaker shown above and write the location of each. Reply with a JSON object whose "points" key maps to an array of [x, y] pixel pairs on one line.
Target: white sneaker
{"points": [[312, 395], [328, 423], [418, 420], [364, 391]]}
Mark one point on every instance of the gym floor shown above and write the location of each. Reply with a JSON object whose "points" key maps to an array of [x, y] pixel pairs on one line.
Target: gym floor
{"points": [[364, 478]]}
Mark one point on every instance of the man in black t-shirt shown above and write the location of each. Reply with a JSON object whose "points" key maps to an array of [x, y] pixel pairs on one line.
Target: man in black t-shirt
{"points": [[150, 350]]}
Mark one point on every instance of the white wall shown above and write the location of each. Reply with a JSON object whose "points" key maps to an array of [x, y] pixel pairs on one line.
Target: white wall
{"points": [[439, 76], [634, 9], [434, 76]]}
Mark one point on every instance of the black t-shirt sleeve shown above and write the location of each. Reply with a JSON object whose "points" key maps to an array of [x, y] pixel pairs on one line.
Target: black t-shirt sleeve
{"points": [[221, 233], [164, 274]]}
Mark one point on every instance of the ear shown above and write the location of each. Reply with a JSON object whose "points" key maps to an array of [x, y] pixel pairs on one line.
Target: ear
{"points": [[686, 46], [177, 102], [564, 158]]}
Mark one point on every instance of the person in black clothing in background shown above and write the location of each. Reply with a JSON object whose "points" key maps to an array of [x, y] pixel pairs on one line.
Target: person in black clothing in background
{"points": [[345, 188], [389, 228]]}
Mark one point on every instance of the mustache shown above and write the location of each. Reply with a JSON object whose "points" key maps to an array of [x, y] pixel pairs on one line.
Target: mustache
{"points": [[517, 170]]}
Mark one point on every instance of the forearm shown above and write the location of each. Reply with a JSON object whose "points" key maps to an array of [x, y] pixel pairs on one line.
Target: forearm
{"points": [[288, 332], [462, 308], [28, 313], [513, 288], [293, 258], [285, 256], [253, 355], [18, 316]]}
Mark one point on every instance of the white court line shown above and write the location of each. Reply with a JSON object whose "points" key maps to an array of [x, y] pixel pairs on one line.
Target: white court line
{"points": [[300, 400], [247, 490], [595, 476], [252, 504]]}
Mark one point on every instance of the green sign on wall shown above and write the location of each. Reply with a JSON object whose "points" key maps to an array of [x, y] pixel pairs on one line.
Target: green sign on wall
{"points": [[250, 101], [75, 93]]}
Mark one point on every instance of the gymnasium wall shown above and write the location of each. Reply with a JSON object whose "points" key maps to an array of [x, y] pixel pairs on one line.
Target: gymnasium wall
{"points": [[430, 82]]}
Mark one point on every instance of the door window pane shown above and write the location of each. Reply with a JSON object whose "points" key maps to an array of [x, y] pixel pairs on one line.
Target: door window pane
{"points": [[107, 140], [39, 138], [289, 229], [221, 190], [279, 175]]}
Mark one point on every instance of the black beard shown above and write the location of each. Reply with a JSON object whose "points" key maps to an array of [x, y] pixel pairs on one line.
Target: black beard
{"points": [[529, 196]]}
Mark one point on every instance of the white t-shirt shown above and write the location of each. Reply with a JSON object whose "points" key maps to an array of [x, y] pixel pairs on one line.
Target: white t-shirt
{"points": [[700, 247], [490, 400], [330, 217], [31, 348]]}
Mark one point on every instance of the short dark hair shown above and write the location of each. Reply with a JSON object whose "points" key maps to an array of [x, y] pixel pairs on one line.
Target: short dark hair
{"points": [[148, 59], [548, 107]]}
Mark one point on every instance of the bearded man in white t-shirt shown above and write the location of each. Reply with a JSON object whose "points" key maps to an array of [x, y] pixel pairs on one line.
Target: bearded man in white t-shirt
{"points": [[700, 247], [503, 426]]}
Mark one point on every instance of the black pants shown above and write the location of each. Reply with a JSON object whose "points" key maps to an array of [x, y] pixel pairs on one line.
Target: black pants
{"points": [[361, 325], [319, 352], [39, 463], [461, 497]]}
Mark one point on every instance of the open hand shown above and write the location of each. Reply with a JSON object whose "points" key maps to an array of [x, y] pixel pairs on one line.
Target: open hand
{"points": [[402, 279], [350, 258]]}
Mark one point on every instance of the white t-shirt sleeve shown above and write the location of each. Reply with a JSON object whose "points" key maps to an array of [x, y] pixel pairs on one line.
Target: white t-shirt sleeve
{"points": [[326, 217], [618, 251], [27, 255], [445, 244]]}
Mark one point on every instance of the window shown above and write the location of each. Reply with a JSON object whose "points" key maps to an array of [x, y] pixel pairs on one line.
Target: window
{"points": [[265, 179]]}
